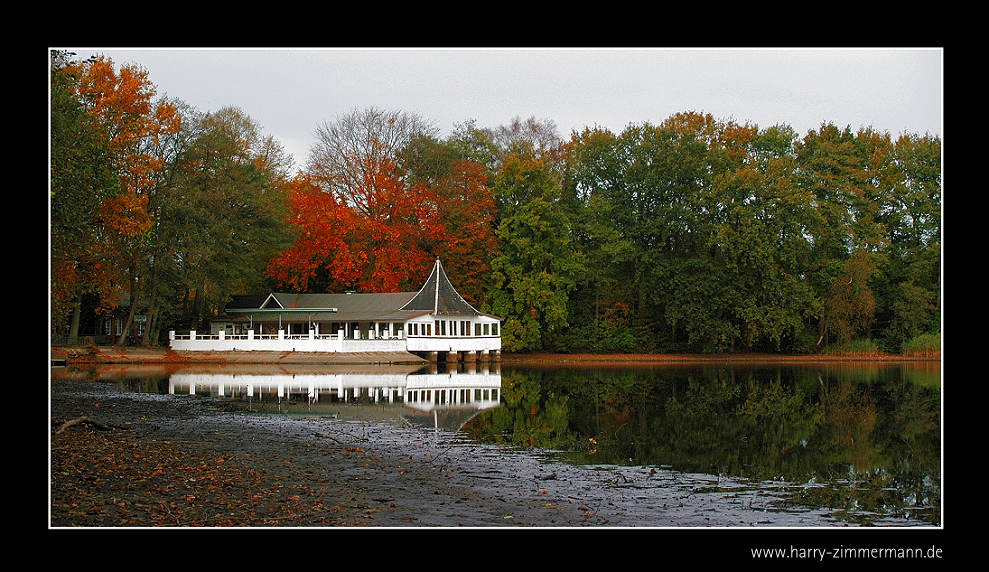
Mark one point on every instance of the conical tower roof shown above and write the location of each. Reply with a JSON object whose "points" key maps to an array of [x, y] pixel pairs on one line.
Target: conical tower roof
{"points": [[439, 297]]}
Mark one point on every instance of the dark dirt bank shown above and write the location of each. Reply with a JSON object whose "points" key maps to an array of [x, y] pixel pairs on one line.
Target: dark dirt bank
{"points": [[142, 460]]}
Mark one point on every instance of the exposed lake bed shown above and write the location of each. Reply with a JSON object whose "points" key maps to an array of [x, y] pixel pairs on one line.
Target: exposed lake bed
{"points": [[346, 471]]}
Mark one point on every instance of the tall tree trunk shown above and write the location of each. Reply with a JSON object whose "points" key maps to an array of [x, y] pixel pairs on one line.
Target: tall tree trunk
{"points": [[197, 307], [74, 322], [122, 340], [151, 326], [185, 304], [135, 299], [150, 329]]}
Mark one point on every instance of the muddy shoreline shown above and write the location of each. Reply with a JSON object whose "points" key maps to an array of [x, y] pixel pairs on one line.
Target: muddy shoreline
{"points": [[95, 355], [352, 472]]}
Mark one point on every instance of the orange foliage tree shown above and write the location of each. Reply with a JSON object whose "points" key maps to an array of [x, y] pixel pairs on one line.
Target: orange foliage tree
{"points": [[467, 208], [133, 127]]}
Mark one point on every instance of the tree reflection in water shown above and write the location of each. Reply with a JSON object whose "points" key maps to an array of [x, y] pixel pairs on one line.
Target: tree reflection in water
{"points": [[863, 440]]}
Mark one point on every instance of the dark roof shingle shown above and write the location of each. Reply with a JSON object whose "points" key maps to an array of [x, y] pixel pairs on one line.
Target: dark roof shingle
{"points": [[439, 296]]}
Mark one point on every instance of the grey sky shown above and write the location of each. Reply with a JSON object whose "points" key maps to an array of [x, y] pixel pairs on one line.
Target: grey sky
{"points": [[290, 92]]}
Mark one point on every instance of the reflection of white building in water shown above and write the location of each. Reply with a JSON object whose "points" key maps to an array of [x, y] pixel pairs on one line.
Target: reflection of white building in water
{"points": [[460, 394], [435, 324]]}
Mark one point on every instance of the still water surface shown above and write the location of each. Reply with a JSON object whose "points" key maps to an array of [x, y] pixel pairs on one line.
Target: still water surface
{"points": [[863, 440]]}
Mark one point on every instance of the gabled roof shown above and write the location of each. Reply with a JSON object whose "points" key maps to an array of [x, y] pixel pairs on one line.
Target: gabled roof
{"points": [[247, 301], [335, 307], [439, 297]]}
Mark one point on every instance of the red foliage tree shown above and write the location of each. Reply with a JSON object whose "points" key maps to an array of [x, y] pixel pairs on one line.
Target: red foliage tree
{"points": [[322, 223], [468, 211], [386, 245]]}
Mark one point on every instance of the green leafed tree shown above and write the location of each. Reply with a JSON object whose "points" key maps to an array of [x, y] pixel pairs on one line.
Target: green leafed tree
{"points": [[81, 180], [758, 236], [909, 290], [221, 216], [670, 180], [536, 268], [605, 306]]}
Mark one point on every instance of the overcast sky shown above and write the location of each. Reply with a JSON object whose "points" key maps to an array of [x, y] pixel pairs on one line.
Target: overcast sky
{"points": [[290, 92]]}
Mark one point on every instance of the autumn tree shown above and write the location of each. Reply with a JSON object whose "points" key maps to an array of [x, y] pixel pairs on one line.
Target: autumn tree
{"points": [[393, 224], [850, 304], [466, 208], [322, 224], [351, 153], [851, 178]]}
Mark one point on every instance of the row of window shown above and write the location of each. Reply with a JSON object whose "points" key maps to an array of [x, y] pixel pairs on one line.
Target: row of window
{"points": [[444, 396], [455, 327], [438, 327]]}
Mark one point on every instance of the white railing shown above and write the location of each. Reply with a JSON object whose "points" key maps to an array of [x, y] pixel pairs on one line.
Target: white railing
{"points": [[197, 336], [281, 335], [193, 341], [310, 342]]}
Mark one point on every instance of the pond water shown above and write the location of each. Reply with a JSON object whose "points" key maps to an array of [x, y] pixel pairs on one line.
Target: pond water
{"points": [[863, 439]]}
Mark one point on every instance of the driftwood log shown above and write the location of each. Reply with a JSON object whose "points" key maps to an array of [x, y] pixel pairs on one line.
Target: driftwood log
{"points": [[83, 420]]}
